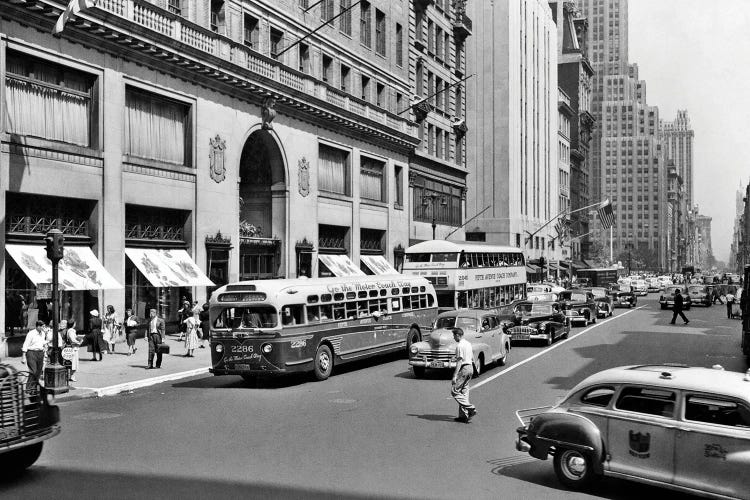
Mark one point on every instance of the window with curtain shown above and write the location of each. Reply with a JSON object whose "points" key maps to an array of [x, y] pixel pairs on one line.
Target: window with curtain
{"points": [[365, 24], [447, 205], [156, 128], [326, 10], [345, 21], [399, 45], [371, 179], [379, 32], [399, 186], [333, 170], [48, 101]]}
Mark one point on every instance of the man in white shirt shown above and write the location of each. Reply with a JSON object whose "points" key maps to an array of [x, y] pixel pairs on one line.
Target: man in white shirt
{"points": [[33, 350], [461, 377]]}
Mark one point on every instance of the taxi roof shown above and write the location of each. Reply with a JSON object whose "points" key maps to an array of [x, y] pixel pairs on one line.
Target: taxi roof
{"points": [[698, 379]]}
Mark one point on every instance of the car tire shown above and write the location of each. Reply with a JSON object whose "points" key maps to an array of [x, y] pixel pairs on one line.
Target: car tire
{"points": [[478, 366], [550, 336], [323, 363], [503, 360], [418, 371], [573, 468], [16, 461], [411, 338]]}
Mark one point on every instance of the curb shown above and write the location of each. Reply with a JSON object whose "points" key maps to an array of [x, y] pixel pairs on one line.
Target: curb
{"points": [[93, 392]]}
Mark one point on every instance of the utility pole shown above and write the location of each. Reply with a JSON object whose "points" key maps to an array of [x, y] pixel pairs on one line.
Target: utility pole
{"points": [[55, 374]]}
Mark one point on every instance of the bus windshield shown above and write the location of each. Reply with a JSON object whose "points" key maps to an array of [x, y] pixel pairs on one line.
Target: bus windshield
{"points": [[247, 317], [457, 322]]}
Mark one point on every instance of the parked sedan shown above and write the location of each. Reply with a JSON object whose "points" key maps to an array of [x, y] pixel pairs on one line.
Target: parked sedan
{"points": [[701, 294], [687, 429], [483, 329], [543, 321], [667, 298], [622, 296], [579, 306], [604, 303]]}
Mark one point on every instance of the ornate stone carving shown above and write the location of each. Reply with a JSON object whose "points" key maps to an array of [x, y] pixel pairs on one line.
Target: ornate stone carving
{"points": [[304, 176], [460, 128], [412, 178], [268, 113], [216, 158], [218, 240], [421, 108]]}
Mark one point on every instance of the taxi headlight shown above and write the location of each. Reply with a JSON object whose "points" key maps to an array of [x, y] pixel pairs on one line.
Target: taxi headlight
{"points": [[414, 349], [219, 348], [266, 348]]}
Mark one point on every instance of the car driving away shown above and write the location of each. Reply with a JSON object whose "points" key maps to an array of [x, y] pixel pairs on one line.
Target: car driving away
{"points": [[604, 302], [684, 428], [667, 298], [579, 306], [700, 294], [483, 330]]}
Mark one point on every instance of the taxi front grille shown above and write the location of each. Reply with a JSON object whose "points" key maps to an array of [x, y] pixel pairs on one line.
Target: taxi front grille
{"points": [[20, 406], [521, 332]]}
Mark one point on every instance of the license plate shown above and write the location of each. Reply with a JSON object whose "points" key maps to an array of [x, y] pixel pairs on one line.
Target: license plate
{"points": [[521, 336], [437, 364], [241, 367]]}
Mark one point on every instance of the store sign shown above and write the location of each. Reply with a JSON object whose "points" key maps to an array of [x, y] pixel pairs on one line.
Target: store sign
{"points": [[44, 291]]}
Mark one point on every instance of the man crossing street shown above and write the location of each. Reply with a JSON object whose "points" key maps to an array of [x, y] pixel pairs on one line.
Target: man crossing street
{"points": [[678, 302], [461, 377]]}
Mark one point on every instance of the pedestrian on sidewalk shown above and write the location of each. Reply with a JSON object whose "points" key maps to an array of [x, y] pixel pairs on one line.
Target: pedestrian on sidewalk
{"points": [[678, 304], [205, 326], [33, 352], [131, 330], [71, 338], [730, 302], [192, 324], [182, 314], [50, 339], [111, 328], [94, 339], [461, 377], [155, 334]]}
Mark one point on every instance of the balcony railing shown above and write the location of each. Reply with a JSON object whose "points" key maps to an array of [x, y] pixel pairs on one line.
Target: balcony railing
{"points": [[180, 29]]}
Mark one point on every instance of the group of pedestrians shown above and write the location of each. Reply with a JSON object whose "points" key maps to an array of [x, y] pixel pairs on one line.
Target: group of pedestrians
{"points": [[38, 344]]}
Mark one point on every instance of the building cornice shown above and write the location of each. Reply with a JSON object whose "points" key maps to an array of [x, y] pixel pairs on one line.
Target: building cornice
{"points": [[259, 78]]}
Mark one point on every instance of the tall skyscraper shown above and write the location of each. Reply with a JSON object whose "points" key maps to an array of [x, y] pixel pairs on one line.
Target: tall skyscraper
{"points": [[627, 159], [512, 113], [678, 146]]}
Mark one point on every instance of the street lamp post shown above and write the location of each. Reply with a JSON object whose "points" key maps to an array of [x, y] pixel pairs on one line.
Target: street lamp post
{"points": [[55, 374], [429, 200]]}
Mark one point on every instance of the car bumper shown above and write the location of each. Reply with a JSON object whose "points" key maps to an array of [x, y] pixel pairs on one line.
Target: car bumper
{"points": [[432, 363], [577, 318], [24, 441]]}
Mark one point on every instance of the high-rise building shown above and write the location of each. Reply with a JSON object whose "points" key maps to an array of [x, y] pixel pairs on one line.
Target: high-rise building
{"points": [[677, 137], [629, 161], [437, 64], [676, 225], [512, 109], [574, 76], [705, 253]]}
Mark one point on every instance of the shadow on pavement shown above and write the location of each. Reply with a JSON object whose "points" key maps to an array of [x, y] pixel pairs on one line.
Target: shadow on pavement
{"points": [[42, 482], [432, 417], [530, 470]]}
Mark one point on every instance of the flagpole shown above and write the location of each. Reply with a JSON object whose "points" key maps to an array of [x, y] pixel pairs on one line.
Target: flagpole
{"points": [[611, 259]]}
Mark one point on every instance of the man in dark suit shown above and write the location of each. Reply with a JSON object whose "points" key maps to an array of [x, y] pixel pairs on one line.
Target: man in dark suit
{"points": [[678, 301], [155, 334]]}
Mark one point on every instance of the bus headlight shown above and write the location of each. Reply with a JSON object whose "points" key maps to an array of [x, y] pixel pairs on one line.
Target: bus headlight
{"points": [[266, 348], [219, 348], [414, 349]]}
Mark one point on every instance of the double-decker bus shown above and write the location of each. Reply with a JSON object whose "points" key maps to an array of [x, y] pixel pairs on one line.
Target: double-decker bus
{"points": [[312, 325], [469, 275]]}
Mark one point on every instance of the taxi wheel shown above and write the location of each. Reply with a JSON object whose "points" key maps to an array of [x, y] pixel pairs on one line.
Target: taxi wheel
{"points": [[550, 336], [323, 362], [573, 468], [502, 360], [478, 366]]}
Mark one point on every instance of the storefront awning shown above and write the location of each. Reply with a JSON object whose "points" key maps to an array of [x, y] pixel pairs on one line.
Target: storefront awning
{"points": [[78, 270], [340, 265], [167, 268], [378, 264], [530, 268]]}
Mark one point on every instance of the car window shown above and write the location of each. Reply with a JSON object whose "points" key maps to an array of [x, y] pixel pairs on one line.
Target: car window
{"points": [[646, 400], [712, 410], [598, 396]]}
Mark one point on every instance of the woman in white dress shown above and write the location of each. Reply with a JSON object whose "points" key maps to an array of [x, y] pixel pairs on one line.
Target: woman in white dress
{"points": [[192, 324], [111, 326], [71, 338]]}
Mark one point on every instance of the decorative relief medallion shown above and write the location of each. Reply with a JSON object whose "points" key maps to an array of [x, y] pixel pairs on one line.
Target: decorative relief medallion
{"points": [[216, 158], [267, 113], [304, 177]]}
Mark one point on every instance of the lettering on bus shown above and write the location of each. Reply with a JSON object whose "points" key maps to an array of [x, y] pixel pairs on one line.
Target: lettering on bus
{"points": [[376, 285], [234, 359]]}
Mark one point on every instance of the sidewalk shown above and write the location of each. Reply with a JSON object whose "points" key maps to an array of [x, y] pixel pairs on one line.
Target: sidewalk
{"points": [[119, 372]]}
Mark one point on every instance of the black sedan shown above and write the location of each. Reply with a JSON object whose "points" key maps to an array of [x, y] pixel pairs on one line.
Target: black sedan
{"points": [[579, 306], [543, 321], [622, 296]]}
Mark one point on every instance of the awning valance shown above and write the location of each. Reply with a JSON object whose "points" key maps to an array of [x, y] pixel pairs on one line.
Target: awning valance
{"points": [[340, 265], [378, 264], [167, 268], [530, 268], [79, 268]]}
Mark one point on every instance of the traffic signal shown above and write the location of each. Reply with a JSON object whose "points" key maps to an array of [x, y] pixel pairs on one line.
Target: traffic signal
{"points": [[542, 262], [54, 242]]}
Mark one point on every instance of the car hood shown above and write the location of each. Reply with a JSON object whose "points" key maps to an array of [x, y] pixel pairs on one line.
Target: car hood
{"points": [[442, 338]]}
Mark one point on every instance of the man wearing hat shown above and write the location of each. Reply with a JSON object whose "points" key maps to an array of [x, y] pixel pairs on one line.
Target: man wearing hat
{"points": [[33, 350], [461, 377]]}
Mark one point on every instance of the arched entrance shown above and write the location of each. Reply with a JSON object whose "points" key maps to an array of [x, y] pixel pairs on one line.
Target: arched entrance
{"points": [[262, 193]]}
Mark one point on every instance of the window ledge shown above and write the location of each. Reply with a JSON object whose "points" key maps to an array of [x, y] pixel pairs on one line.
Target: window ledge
{"points": [[36, 142], [373, 203], [334, 196], [145, 162]]}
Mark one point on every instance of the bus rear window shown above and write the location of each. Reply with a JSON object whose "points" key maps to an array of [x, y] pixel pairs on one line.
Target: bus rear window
{"points": [[247, 317]]}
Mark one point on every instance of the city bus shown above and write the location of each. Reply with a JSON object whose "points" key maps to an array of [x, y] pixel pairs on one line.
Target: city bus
{"points": [[311, 325], [469, 275]]}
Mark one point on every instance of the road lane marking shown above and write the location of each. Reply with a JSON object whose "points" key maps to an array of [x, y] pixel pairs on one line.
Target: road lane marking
{"points": [[553, 346]]}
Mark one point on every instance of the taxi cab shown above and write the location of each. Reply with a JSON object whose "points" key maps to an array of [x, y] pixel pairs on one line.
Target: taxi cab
{"points": [[683, 428]]}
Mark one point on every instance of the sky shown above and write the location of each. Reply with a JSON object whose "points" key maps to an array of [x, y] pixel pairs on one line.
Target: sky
{"points": [[694, 55]]}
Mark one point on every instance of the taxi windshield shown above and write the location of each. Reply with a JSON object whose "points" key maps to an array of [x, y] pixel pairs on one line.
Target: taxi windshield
{"points": [[599, 292], [578, 297], [247, 317], [456, 322]]}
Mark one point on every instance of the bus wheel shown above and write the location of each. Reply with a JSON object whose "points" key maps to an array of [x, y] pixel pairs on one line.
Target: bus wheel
{"points": [[323, 362], [412, 338]]}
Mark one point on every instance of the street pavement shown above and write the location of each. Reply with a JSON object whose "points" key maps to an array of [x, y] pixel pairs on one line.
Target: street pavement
{"points": [[119, 372], [371, 431]]}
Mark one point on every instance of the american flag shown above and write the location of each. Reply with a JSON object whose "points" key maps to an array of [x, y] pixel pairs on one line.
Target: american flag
{"points": [[73, 8], [562, 227], [606, 215]]}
